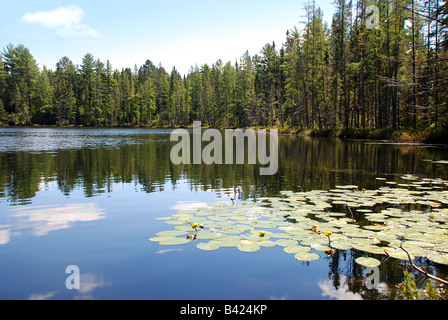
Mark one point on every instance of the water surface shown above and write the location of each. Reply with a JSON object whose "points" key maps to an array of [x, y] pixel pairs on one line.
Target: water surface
{"points": [[89, 197]]}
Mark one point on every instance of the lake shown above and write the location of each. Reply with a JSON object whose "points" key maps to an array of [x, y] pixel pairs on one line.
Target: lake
{"points": [[92, 198]]}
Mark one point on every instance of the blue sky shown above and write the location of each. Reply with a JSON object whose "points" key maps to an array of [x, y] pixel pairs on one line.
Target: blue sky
{"points": [[177, 33]]}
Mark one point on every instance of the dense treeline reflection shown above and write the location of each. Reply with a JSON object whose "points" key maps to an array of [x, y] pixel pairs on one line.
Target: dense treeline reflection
{"points": [[144, 159]]}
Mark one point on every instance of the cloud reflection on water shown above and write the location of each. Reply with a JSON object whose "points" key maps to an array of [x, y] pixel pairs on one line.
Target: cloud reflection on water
{"points": [[341, 293], [44, 219]]}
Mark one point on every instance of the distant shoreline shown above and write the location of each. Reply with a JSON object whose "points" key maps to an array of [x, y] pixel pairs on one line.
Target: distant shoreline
{"points": [[428, 136]]}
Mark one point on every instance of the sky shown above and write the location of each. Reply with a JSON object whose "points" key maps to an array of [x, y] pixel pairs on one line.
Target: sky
{"points": [[173, 33]]}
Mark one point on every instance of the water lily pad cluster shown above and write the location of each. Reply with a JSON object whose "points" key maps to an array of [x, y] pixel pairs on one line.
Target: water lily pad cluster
{"points": [[411, 211]]}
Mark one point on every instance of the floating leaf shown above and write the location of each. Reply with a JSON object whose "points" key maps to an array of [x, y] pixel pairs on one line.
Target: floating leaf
{"points": [[368, 262], [439, 258], [209, 246], [342, 245], [209, 235], [368, 248], [286, 242], [399, 254], [266, 243], [347, 187], [307, 256], [217, 204], [297, 249], [319, 247], [174, 241], [171, 233], [158, 239], [249, 248]]}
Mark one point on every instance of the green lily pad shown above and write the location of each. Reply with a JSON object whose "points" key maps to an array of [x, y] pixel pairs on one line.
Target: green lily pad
{"points": [[297, 249], [174, 242], [209, 235], [399, 254], [439, 258], [342, 245], [368, 248], [266, 243], [307, 256], [286, 242], [171, 233], [209, 246], [368, 262], [319, 247], [248, 248], [217, 204], [176, 222], [158, 239]]}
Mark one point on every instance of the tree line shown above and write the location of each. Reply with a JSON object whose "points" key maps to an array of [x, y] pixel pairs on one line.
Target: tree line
{"points": [[346, 75]]}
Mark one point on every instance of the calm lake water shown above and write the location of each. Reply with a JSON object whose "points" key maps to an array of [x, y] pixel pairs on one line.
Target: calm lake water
{"points": [[90, 197]]}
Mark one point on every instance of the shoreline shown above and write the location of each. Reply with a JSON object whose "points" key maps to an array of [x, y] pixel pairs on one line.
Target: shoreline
{"points": [[437, 136]]}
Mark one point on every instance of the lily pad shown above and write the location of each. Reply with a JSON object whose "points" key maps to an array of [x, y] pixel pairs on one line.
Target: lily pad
{"points": [[249, 248], [399, 254], [171, 233], [209, 246], [228, 241], [266, 243], [342, 245], [439, 258], [286, 242], [158, 239], [368, 248], [307, 256], [209, 235], [174, 241], [368, 262], [297, 249]]}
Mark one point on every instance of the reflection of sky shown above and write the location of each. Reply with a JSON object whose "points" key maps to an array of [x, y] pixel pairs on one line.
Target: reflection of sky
{"points": [[341, 293], [44, 219], [88, 283], [189, 205]]}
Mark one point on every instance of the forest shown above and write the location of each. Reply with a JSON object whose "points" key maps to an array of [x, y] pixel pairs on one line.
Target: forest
{"points": [[346, 76]]}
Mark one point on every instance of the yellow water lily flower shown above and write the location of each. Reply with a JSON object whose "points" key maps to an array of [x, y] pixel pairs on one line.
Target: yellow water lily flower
{"points": [[262, 234], [194, 225], [327, 233]]}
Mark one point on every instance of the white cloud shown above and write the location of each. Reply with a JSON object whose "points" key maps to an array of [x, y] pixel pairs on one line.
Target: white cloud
{"points": [[64, 21]]}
